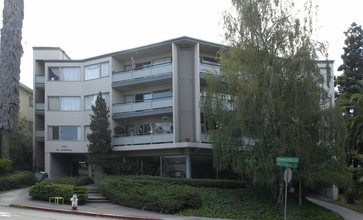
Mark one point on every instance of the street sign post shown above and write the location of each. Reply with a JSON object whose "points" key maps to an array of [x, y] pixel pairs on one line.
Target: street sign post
{"points": [[287, 162], [282, 164], [287, 159]]}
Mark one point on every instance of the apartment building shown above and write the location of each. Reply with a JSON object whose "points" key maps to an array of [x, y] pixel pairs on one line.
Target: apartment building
{"points": [[153, 93]]}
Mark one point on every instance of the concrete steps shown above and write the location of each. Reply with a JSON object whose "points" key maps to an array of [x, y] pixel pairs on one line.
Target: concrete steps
{"points": [[94, 196]]}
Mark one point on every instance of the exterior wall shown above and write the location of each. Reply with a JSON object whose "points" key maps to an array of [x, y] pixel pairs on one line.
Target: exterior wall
{"points": [[26, 102]]}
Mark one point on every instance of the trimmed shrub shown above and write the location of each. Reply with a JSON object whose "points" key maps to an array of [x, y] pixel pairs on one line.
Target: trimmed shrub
{"points": [[6, 166], [205, 183], [149, 195], [75, 181], [17, 180], [44, 190]]}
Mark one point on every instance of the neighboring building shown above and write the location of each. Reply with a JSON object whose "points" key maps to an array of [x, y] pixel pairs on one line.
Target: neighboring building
{"points": [[153, 93], [25, 102]]}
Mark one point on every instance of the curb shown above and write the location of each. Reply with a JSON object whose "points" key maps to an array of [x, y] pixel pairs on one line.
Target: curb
{"points": [[76, 212]]}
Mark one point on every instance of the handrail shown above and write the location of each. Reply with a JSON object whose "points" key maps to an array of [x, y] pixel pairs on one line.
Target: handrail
{"points": [[141, 68], [133, 102]]}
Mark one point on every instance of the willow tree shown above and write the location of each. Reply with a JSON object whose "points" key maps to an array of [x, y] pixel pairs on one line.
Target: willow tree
{"points": [[11, 52], [269, 100]]}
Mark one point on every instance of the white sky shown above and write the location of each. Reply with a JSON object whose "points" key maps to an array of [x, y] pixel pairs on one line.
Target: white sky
{"points": [[87, 28]]}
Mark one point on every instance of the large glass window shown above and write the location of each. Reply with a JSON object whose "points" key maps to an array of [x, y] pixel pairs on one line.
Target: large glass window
{"points": [[91, 100], [143, 97], [87, 130], [64, 103], [64, 133], [64, 74], [96, 71]]}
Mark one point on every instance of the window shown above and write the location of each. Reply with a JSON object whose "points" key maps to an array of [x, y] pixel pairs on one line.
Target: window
{"points": [[64, 103], [96, 71], [87, 130], [64, 74], [91, 100], [30, 101], [64, 133], [143, 97], [161, 61], [209, 60]]}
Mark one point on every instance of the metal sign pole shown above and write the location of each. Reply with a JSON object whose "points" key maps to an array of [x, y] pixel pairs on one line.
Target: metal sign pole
{"points": [[286, 180]]}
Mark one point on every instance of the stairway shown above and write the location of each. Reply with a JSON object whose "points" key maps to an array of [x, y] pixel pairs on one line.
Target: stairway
{"points": [[94, 196]]}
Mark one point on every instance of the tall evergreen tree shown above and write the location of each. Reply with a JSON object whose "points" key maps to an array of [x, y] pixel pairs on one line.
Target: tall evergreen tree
{"points": [[352, 66], [270, 101], [100, 140], [11, 52]]}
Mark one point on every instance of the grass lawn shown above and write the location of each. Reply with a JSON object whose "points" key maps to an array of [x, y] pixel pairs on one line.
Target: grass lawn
{"points": [[356, 206], [251, 203]]}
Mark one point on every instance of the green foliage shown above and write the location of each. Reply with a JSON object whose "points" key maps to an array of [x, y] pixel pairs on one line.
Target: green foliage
{"points": [[205, 183], [100, 139], [44, 190], [6, 166], [122, 168], [149, 194], [21, 145], [75, 181], [16, 180], [352, 66], [253, 203], [269, 100]]}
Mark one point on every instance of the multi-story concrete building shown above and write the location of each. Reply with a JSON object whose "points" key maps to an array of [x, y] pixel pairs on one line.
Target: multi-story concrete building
{"points": [[153, 93]]}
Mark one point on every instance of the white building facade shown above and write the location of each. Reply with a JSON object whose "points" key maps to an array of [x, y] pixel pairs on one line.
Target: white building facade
{"points": [[153, 93]]}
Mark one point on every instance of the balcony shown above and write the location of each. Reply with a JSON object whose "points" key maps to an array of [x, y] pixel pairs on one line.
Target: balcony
{"points": [[39, 81], [145, 73], [143, 139], [39, 135], [209, 69], [146, 105], [39, 108]]}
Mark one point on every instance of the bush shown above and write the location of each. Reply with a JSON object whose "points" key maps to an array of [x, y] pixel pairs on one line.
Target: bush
{"points": [[75, 181], [17, 180], [206, 183], [44, 190], [149, 194], [6, 166]]}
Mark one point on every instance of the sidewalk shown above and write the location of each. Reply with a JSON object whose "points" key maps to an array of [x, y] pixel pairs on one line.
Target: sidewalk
{"points": [[21, 198], [347, 214]]}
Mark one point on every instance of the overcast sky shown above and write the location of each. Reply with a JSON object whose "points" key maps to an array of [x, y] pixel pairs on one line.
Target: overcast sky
{"points": [[87, 28]]}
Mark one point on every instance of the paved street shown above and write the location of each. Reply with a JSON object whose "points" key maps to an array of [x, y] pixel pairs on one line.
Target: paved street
{"points": [[12, 213]]}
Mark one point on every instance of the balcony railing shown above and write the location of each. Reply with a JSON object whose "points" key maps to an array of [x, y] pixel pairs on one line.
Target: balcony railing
{"points": [[39, 135], [143, 139], [142, 106], [209, 68], [151, 71], [39, 107], [39, 80]]}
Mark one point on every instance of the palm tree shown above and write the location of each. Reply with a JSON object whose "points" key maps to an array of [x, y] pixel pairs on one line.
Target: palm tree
{"points": [[11, 52]]}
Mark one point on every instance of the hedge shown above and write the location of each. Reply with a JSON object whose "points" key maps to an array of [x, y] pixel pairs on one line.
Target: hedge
{"points": [[205, 183], [44, 190], [149, 195], [17, 180], [75, 181]]}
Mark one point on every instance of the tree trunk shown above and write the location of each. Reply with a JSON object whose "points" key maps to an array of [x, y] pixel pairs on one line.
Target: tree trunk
{"points": [[5, 143], [300, 193]]}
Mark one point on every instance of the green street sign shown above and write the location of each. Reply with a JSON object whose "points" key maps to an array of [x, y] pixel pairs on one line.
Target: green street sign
{"points": [[287, 159], [291, 165]]}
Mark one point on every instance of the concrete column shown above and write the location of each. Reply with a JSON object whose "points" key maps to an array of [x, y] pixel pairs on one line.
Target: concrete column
{"points": [[48, 163], [188, 167]]}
